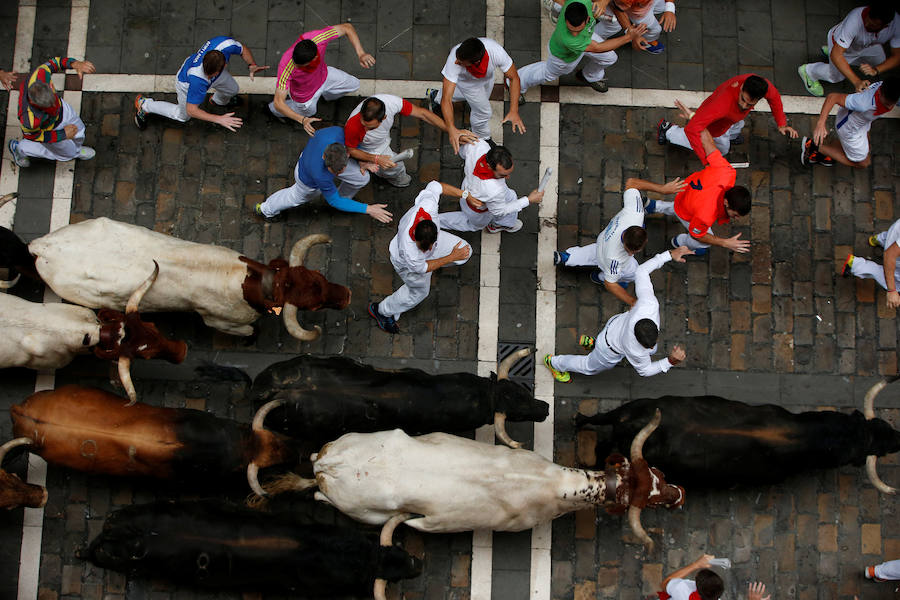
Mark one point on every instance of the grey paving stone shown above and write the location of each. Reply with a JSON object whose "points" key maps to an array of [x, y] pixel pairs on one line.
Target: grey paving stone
{"points": [[362, 11], [685, 44], [685, 76], [286, 10], [714, 73], [139, 48], [105, 23], [754, 38], [249, 23], [394, 31], [214, 9], [176, 23], [431, 43]]}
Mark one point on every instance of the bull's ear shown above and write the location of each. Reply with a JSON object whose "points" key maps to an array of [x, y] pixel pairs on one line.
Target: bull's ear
{"points": [[493, 377]]}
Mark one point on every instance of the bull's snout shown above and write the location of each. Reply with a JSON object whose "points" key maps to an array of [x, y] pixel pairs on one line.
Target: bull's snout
{"points": [[336, 296]]}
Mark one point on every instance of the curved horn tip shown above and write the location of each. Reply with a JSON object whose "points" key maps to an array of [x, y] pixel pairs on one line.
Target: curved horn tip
{"points": [[379, 590], [387, 530], [872, 472], [14, 443], [500, 431], [125, 377], [634, 520], [5, 285], [260, 417], [253, 480], [506, 364]]}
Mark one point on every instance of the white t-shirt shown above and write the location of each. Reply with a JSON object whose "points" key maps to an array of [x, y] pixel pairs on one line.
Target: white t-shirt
{"points": [[681, 589], [851, 33], [493, 192], [378, 140], [497, 56], [854, 120], [611, 252], [405, 254], [893, 236]]}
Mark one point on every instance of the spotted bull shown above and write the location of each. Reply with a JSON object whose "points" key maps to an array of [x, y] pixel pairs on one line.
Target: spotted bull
{"points": [[96, 263], [91, 430], [49, 336], [214, 545], [711, 442], [320, 399], [444, 483]]}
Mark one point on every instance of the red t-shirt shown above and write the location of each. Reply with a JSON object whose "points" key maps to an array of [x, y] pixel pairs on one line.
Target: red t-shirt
{"points": [[720, 111], [702, 202]]}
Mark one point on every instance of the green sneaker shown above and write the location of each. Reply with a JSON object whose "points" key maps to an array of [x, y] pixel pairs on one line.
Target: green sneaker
{"points": [[812, 85], [586, 341], [873, 241], [825, 51], [560, 376]]}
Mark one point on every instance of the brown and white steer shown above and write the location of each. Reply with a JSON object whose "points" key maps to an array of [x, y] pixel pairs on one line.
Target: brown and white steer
{"points": [[444, 483], [49, 336], [96, 263]]}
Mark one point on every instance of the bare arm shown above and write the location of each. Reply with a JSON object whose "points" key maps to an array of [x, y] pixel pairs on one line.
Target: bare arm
{"points": [[890, 263], [700, 563], [607, 45], [447, 111], [382, 160], [515, 88], [228, 120], [450, 190], [428, 116], [892, 61], [459, 252], [706, 138], [837, 57], [282, 107], [820, 132], [366, 60], [251, 64], [673, 187], [619, 292]]}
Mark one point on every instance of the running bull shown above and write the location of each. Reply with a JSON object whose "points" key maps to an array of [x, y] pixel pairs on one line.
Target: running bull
{"points": [[96, 263], [49, 336], [91, 430], [708, 441], [320, 399], [443, 483], [214, 545]]}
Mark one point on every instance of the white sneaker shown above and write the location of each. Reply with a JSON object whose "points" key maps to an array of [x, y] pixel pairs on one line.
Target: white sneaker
{"points": [[550, 5], [86, 153], [405, 155], [491, 228]]}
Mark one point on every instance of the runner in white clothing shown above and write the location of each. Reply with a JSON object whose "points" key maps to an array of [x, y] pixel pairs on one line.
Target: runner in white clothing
{"points": [[632, 335], [624, 236], [888, 272], [852, 123], [418, 249], [367, 136], [487, 202], [886, 571], [857, 40], [469, 75]]}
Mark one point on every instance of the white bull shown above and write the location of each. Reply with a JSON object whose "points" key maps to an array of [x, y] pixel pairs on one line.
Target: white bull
{"points": [[445, 483], [96, 263], [49, 336]]}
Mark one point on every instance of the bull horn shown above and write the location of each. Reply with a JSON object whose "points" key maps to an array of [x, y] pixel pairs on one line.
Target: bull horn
{"points": [[634, 519], [289, 312], [5, 285], [500, 431], [872, 460], [14, 443], [260, 417], [138, 294], [387, 540], [125, 377], [637, 446], [253, 480], [509, 361], [8, 198], [380, 590]]}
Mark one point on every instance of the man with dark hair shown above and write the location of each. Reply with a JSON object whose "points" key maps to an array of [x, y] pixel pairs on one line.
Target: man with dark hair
{"points": [[323, 159], [622, 14], [575, 38], [722, 114], [707, 585], [852, 123], [303, 76], [631, 335], [710, 197], [857, 40], [202, 71], [468, 75], [367, 135], [418, 249], [487, 202], [624, 236], [50, 126]]}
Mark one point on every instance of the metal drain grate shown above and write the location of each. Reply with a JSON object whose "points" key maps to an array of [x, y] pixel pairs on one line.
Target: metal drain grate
{"points": [[522, 371]]}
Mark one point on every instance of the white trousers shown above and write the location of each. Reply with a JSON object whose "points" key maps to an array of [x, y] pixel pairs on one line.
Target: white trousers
{"points": [[607, 29], [298, 194], [889, 570], [467, 219], [586, 256], [337, 83], [478, 95], [868, 269], [224, 89], [676, 135], [352, 180], [601, 358], [667, 207], [553, 68], [853, 135], [63, 150], [874, 55], [416, 286]]}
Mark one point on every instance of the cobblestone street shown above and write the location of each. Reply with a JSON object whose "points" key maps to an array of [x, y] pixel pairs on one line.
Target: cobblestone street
{"points": [[778, 325]]}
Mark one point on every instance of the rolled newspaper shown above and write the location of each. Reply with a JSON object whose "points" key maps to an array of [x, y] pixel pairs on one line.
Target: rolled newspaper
{"points": [[545, 179], [724, 563]]}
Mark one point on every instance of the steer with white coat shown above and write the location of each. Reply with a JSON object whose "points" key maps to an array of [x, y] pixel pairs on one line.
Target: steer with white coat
{"points": [[96, 263], [443, 483]]}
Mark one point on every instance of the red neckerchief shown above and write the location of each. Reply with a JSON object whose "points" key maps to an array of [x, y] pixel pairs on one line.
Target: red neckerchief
{"points": [[483, 170], [312, 65], [695, 595], [880, 107], [420, 216], [479, 70]]}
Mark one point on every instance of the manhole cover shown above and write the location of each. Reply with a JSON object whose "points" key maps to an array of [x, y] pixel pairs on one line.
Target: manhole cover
{"points": [[522, 371]]}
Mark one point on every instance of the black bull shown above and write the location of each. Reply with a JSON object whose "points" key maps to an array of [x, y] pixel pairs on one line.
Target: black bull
{"points": [[215, 545], [325, 398], [711, 442]]}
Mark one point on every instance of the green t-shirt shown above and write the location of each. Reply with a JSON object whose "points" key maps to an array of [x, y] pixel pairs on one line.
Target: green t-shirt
{"points": [[564, 45]]}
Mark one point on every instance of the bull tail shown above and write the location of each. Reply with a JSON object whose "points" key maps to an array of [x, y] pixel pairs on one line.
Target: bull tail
{"points": [[288, 482], [15, 257], [212, 371]]}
